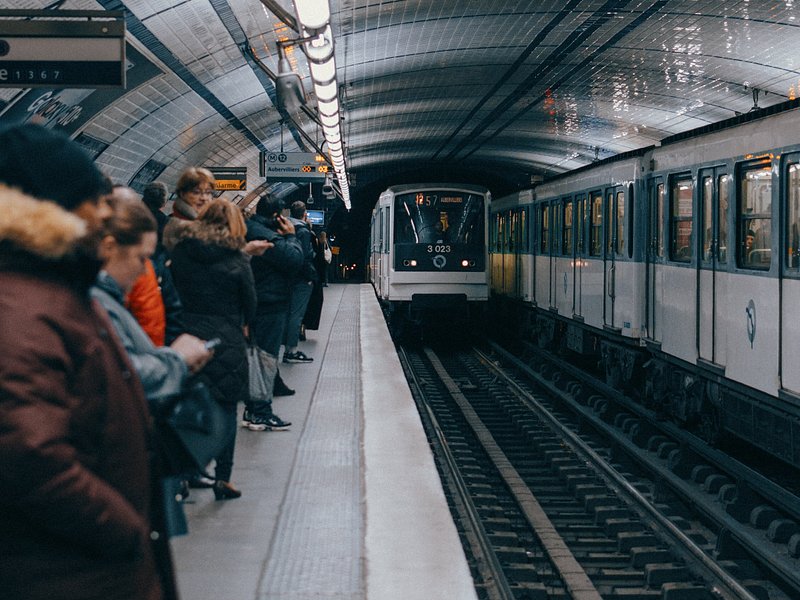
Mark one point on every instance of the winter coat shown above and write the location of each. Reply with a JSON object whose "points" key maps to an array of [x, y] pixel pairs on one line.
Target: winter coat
{"points": [[161, 370], [75, 485], [144, 301], [274, 272], [314, 306], [304, 235], [214, 280]]}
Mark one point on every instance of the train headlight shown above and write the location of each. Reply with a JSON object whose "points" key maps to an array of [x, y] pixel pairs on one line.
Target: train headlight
{"points": [[412, 262], [465, 263]]}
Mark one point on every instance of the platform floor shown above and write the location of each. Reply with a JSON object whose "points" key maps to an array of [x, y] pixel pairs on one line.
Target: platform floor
{"points": [[345, 505]]}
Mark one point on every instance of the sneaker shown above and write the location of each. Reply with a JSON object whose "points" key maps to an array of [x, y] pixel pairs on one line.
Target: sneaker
{"points": [[296, 357], [246, 418], [272, 423]]}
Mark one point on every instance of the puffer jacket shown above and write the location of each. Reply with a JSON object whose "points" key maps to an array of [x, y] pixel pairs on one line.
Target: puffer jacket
{"points": [[215, 283], [144, 301], [275, 270], [75, 485]]}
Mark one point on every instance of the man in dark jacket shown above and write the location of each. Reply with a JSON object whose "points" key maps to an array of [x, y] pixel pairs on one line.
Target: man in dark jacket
{"points": [[78, 499], [301, 287], [273, 272]]}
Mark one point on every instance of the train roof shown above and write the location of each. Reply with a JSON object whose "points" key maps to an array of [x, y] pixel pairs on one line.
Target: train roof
{"points": [[411, 187]]}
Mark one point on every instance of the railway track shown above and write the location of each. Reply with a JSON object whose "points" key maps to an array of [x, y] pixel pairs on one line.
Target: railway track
{"points": [[551, 507]]}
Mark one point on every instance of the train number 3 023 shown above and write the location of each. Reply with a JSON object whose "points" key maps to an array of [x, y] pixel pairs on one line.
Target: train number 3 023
{"points": [[439, 248]]}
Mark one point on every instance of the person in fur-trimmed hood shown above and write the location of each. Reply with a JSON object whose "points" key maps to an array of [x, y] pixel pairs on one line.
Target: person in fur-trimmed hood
{"points": [[214, 280], [76, 494]]}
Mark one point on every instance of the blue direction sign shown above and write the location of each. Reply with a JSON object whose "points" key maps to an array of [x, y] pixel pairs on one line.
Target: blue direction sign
{"points": [[294, 166]]}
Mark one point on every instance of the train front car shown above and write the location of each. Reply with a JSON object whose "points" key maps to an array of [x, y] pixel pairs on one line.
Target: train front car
{"points": [[436, 260]]}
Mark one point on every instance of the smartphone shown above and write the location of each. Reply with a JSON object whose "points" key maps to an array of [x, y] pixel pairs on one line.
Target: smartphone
{"points": [[212, 343]]}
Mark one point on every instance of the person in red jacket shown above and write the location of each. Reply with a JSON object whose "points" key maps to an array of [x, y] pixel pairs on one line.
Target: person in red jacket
{"points": [[77, 498]]}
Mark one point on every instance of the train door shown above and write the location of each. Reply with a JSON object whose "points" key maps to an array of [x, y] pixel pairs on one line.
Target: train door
{"points": [[714, 192], [520, 250], [789, 326], [566, 270], [609, 258], [654, 255]]}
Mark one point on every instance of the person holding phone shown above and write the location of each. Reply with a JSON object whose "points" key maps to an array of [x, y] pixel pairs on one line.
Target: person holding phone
{"points": [[215, 283], [273, 272]]}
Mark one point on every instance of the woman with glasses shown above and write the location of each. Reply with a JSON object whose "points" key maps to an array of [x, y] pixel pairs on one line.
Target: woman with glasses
{"points": [[194, 190]]}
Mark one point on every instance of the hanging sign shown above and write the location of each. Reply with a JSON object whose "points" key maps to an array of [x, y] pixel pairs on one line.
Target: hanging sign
{"points": [[62, 54], [294, 166], [230, 178]]}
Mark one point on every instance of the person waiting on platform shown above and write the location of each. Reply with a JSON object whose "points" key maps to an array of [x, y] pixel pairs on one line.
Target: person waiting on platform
{"points": [[273, 272], [79, 513], [195, 188], [215, 283], [300, 287]]}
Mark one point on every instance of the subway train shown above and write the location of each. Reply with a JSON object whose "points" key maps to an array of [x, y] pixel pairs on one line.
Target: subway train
{"points": [[428, 251], [674, 270]]}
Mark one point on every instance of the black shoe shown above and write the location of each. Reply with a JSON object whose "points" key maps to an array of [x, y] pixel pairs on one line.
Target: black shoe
{"points": [[246, 418], [225, 491], [281, 389], [272, 423], [296, 357], [184, 491]]}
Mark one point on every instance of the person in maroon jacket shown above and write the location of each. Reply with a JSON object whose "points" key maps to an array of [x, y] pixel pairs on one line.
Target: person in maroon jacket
{"points": [[77, 509]]}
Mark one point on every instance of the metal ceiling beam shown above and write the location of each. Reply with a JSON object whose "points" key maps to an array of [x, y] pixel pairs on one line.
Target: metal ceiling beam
{"points": [[286, 17]]}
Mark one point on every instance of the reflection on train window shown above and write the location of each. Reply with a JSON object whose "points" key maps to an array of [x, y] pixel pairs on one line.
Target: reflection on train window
{"points": [[724, 190], [755, 216], [596, 231], [580, 218], [544, 232], [523, 230], [620, 222], [680, 242], [707, 216], [439, 216], [609, 219], [793, 217], [556, 221], [660, 219], [566, 243]]}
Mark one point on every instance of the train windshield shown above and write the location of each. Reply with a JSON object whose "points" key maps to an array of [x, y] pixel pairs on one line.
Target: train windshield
{"points": [[445, 217]]}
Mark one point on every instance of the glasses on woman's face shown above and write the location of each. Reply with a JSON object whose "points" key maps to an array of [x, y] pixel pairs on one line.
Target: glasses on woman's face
{"points": [[202, 192]]}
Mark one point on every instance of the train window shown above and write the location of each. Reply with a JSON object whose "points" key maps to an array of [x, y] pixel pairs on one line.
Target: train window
{"points": [[793, 217], [755, 216], [566, 243], [596, 231], [681, 220], [609, 219], [620, 224], [631, 214], [512, 231], [724, 190], [555, 211], [660, 219], [707, 215], [544, 232], [523, 230], [580, 217]]}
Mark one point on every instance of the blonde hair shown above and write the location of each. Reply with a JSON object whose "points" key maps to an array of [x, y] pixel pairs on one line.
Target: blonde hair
{"points": [[226, 218]]}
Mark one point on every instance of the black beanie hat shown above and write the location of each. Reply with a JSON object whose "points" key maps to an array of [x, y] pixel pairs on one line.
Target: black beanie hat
{"points": [[49, 166]]}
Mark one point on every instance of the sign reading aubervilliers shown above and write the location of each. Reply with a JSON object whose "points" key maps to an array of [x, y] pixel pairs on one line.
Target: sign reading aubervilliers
{"points": [[294, 166]]}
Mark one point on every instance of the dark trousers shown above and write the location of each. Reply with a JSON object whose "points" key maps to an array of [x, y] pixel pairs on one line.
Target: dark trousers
{"points": [[268, 329], [224, 460]]}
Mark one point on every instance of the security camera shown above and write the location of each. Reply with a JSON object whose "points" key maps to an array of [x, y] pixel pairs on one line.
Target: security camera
{"points": [[289, 92]]}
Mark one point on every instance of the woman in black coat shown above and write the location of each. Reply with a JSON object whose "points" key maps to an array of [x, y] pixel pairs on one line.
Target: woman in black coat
{"points": [[314, 308], [215, 283]]}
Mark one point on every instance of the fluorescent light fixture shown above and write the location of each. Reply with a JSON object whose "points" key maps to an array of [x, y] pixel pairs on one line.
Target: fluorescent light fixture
{"points": [[323, 72], [320, 48], [329, 107], [327, 91], [329, 120], [313, 14]]}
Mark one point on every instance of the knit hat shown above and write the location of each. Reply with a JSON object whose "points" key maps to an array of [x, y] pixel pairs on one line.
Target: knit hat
{"points": [[47, 165]]}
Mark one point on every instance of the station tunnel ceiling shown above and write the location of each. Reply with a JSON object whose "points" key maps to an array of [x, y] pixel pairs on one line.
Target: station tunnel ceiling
{"points": [[488, 91]]}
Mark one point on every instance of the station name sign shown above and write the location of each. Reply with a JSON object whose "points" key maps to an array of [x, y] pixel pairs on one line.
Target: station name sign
{"points": [[62, 53], [294, 166], [230, 178]]}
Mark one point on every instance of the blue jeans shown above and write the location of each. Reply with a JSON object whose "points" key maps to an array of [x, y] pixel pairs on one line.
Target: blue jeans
{"points": [[267, 329], [301, 293]]}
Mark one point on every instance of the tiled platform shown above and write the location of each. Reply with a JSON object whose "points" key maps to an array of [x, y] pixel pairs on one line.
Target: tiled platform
{"points": [[347, 504]]}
